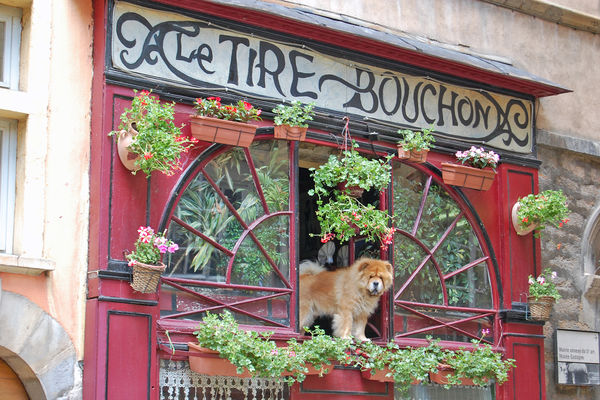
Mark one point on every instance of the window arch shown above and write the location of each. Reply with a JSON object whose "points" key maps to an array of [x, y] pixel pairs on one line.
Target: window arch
{"points": [[243, 221]]}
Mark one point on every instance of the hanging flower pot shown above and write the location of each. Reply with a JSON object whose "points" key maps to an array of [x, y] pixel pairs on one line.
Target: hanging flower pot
{"points": [[352, 191], [222, 131], [468, 177], [125, 138], [416, 156], [288, 132], [208, 362], [146, 277], [540, 307]]}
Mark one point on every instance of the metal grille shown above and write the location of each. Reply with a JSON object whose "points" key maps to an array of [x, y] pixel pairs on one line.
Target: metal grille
{"points": [[178, 382]]}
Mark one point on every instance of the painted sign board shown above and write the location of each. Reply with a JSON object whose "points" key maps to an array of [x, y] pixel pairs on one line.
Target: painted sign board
{"points": [[181, 50], [578, 356]]}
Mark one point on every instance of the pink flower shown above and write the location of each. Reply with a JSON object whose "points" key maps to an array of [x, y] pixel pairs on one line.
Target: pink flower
{"points": [[485, 332], [541, 280], [131, 263], [173, 248], [531, 280]]}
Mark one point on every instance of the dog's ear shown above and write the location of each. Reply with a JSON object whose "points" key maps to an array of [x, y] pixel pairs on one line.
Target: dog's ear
{"points": [[389, 267], [363, 265]]}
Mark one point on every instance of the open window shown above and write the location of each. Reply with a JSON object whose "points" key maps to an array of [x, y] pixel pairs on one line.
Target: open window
{"points": [[244, 220]]}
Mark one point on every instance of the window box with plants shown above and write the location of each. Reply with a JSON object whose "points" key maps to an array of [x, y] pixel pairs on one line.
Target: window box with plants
{"points": [[415, 145], [225, 124], [543, 293], [534, 211], [148, 139], [477, 169], [291, 120]]}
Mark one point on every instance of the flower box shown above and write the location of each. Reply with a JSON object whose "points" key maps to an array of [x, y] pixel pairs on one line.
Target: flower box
{"points": [[441, 376], [208, 362], [416, 156], [379, 376], [290, 132], [469, 177], [222, 131]]}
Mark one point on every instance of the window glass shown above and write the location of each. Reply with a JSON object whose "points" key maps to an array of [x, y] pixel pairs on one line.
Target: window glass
{"points": [[10, 38], [8, 158]]}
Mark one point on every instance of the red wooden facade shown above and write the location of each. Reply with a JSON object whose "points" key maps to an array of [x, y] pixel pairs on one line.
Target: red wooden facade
{"points": [[125, 335]]}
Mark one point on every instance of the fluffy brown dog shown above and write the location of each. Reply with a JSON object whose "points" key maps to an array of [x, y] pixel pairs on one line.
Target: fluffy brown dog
{"points": [[348, 294]]}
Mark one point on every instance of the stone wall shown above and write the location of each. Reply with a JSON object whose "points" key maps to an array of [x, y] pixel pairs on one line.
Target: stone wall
{"points": [[563, 250]]}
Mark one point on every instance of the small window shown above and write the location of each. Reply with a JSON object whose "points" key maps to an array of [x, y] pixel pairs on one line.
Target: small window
{"points": [[10, 40], [8, 157]]}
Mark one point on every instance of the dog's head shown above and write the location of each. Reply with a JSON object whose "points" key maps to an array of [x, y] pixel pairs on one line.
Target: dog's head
{"points": [[376, 275]]}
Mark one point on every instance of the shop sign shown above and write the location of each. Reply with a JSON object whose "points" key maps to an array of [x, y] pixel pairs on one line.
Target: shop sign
{"points": [[578, 356], [184, 51]]}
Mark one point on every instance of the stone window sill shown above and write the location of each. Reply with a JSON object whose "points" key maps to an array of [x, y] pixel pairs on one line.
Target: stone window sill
{"points": [[24, 265]]}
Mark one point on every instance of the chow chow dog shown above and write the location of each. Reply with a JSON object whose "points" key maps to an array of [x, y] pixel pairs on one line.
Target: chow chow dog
{"points": [[350, 294]]}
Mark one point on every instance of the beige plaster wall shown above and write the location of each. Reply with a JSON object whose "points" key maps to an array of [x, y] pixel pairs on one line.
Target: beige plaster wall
{"points": [[558, 53], [52, 196]]}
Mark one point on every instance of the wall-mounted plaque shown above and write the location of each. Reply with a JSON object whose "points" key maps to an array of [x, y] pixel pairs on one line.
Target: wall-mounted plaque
{"points": [[578, 357]]}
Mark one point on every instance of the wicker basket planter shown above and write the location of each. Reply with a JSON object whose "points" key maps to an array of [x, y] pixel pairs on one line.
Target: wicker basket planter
{"points": [[146, 277], [416, 156], [469, 177], [290, 132], [540, 308], [222, 131]]}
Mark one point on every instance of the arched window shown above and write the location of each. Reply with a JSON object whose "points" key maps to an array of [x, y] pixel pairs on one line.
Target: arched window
{"points": [[244, 220]]}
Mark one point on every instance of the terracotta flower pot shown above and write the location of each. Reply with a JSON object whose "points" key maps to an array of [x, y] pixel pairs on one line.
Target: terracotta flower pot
{"points": [[124, 140], [222, 131], [441, 376], [208, 362], [379, 376], [540, 308], [416, 156], [469, 177], [146, 277], [290, 132], [521, 231]]}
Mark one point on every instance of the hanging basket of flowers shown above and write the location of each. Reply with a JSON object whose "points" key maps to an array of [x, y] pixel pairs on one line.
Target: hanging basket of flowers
{"points": [[476, 171], [148, 139], [145, 260], [534, 212], [542, 295], [415, 145], [225, 124], [291, 120]]}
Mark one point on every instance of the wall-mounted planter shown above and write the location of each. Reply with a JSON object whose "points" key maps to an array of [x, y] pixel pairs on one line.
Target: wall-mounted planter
{"points": [[208, 362], [521, 231], [289, 132], [216, 130], [540, 308], [441, 376], [146, 277], [469, 177], [124, 140], [416, 156]]}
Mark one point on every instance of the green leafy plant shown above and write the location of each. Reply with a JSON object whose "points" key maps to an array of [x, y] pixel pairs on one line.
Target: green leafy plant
{"points": [[294, 114], [416, 140], [150, 246], [547, 207], [477, 157], [211, 107], [258, 354], [158, 141], [480, 364], [543, 285]]}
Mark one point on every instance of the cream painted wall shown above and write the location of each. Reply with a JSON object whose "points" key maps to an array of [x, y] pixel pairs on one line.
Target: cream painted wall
{"points": [[561, 54], [52, 205]]}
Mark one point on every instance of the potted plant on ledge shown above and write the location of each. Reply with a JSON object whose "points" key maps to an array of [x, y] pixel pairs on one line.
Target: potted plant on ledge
{"points": [[290, 121], [534, 212], [148, 139], [415, 145], [542, 295], [477, 169], [146, 259], [226, 124]]}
